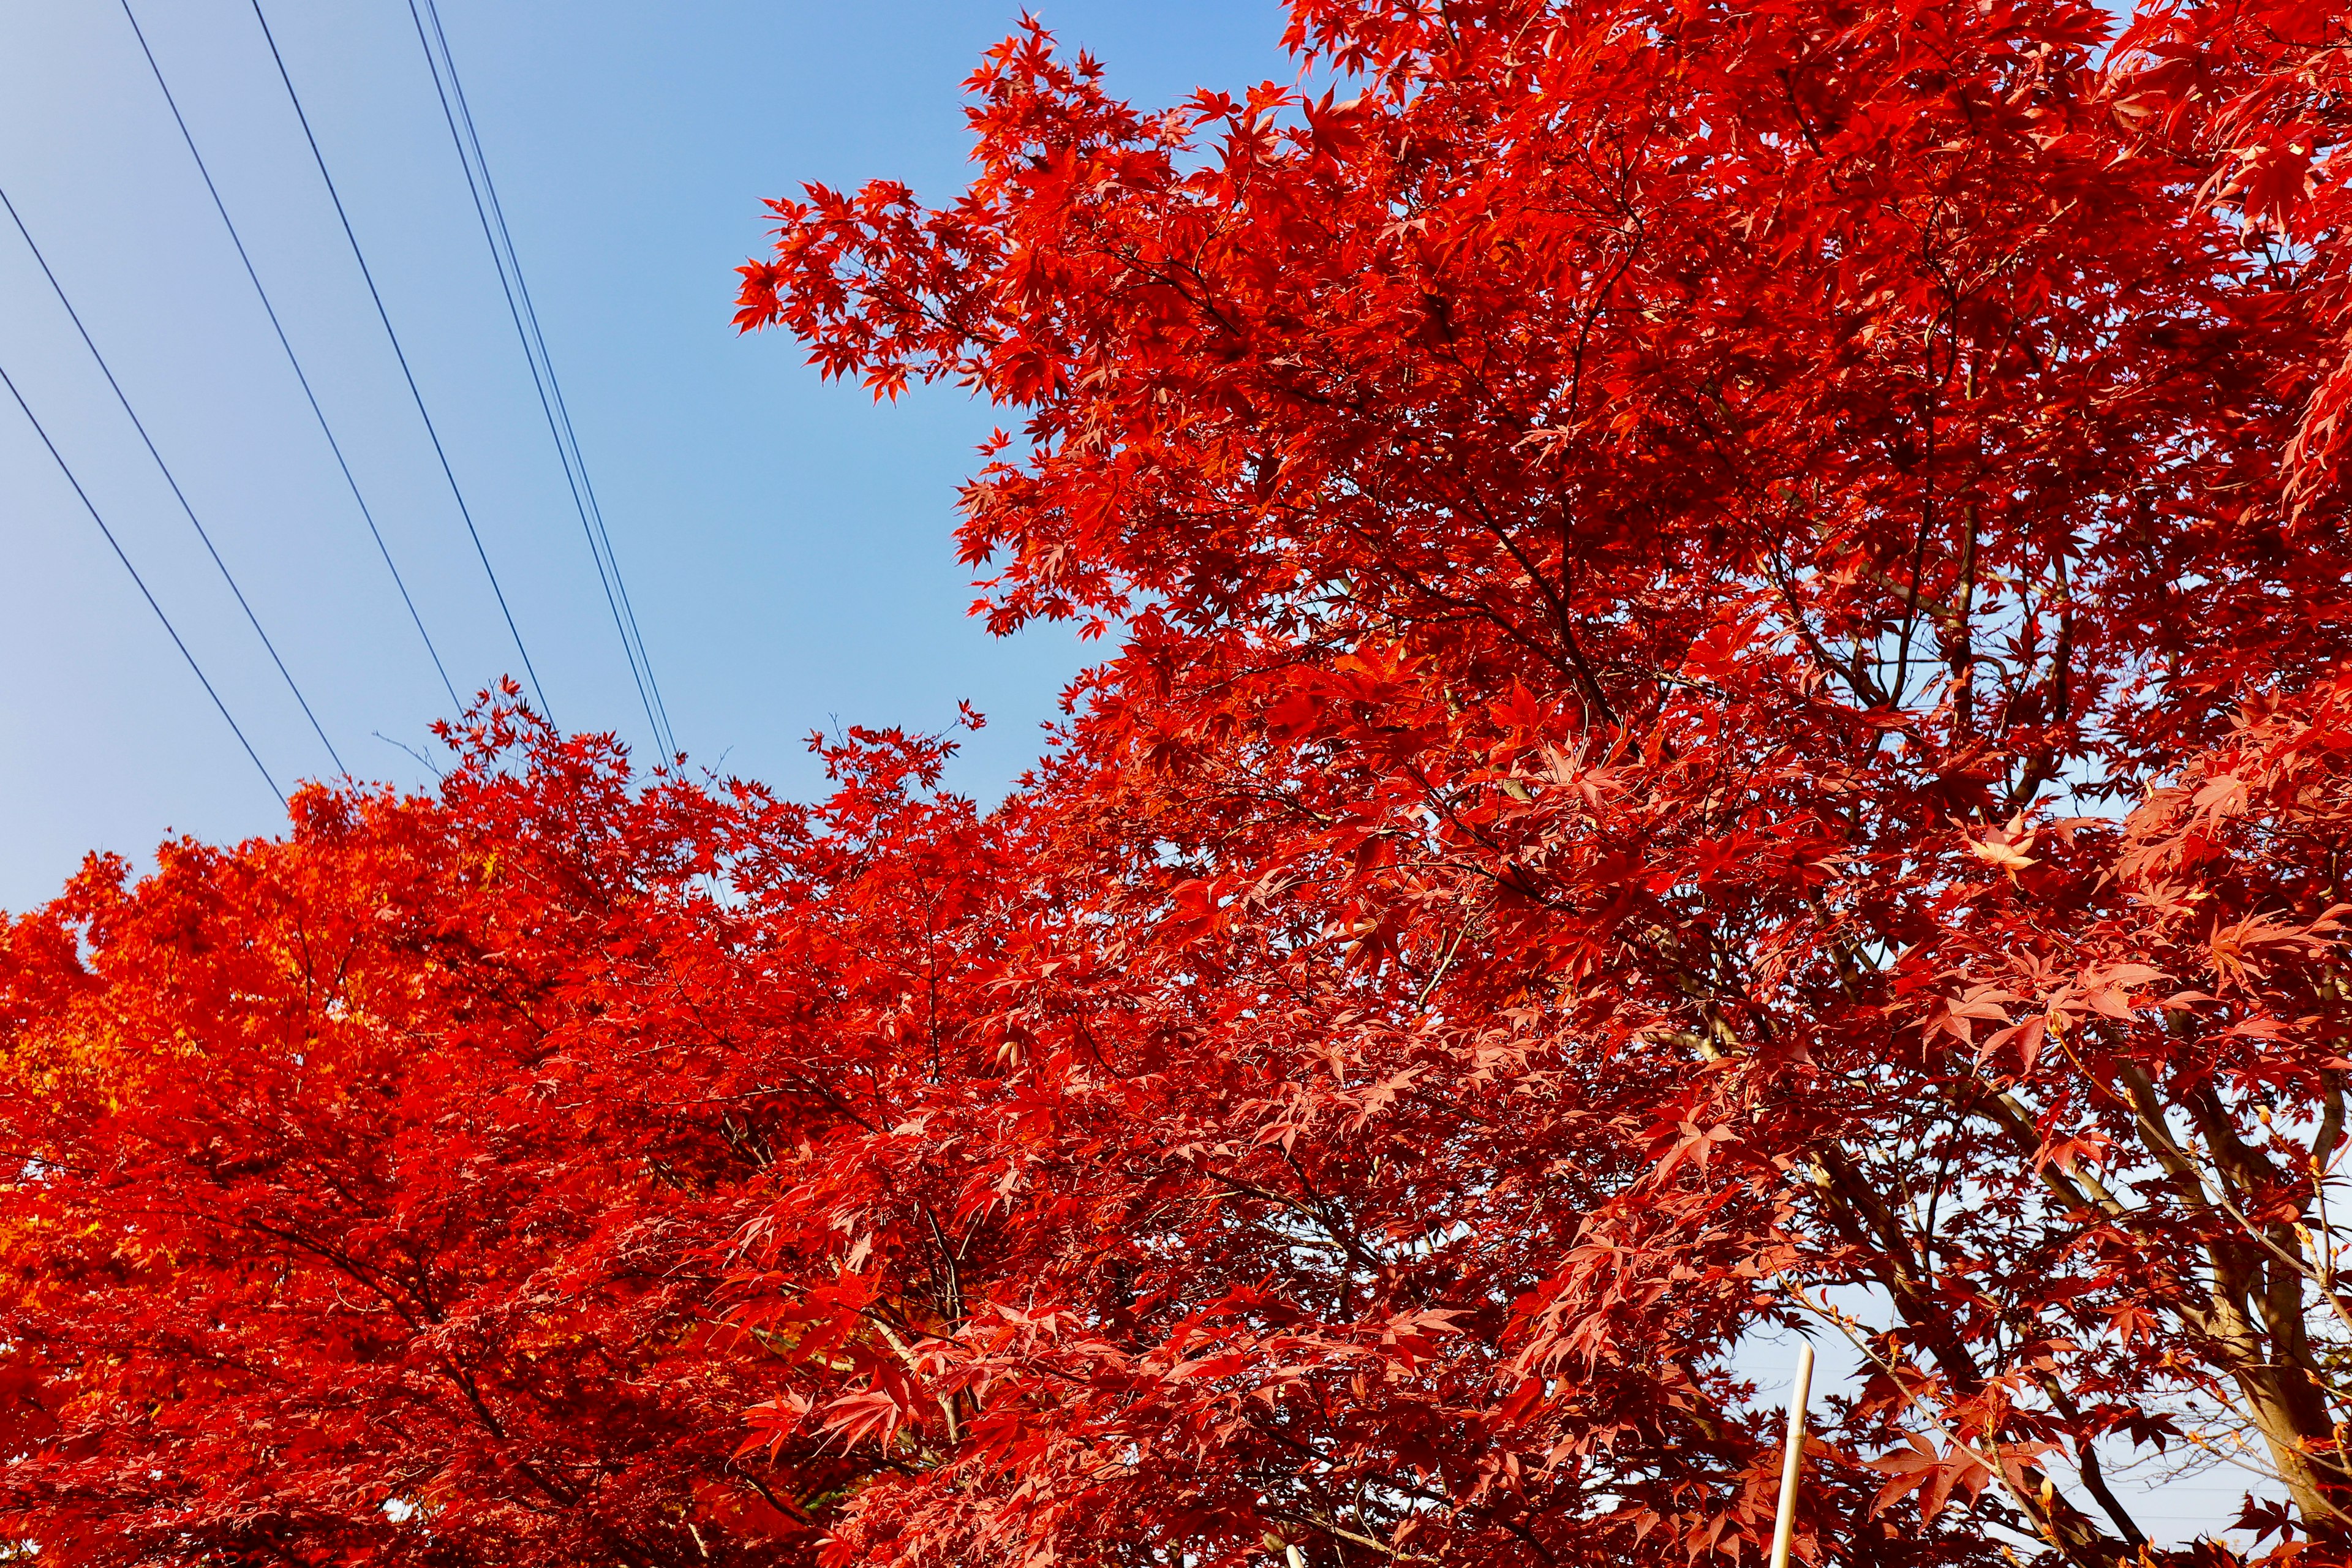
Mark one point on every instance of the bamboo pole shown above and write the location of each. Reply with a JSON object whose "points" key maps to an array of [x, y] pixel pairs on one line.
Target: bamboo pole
{"points": [[1784, 1529]]}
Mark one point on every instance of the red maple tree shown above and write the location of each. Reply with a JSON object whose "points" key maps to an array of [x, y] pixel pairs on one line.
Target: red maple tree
{"points": [[1729, 711], [378, 1185]]}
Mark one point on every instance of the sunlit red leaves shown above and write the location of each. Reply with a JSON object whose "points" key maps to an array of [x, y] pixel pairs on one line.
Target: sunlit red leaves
{"points": [[377, 1185], [2257, 87], [1617, 545], [1723, 705], [1935, 1475]]}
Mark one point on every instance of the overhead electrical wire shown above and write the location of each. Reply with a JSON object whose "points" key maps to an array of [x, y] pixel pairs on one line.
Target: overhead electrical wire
{"points": [[415, 393], [170, 478], [293, 359], [487, 209], [66, 468], [525, 316]]}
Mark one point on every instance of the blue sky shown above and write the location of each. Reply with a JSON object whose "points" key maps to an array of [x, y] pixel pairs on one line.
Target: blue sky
{"points": [[786, 543]]}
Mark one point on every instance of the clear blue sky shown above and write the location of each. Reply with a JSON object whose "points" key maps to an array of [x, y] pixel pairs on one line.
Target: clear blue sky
{"points": [[786, 542]]}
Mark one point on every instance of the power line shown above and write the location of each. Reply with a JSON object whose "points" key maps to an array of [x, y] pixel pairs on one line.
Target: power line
{"points": [[568, 442], [66, 468], [177, 494], [525, 316], [415, 394], [294, 360]]}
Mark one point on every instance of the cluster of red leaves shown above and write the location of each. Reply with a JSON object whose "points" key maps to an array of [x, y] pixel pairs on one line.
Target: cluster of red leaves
{"points": [[370, 1190], [2256, 88], [1730, 712]]}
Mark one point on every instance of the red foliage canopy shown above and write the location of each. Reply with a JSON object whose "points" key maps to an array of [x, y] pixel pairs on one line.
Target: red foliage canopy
{"points": [[1731, 710], [377, 1182]]}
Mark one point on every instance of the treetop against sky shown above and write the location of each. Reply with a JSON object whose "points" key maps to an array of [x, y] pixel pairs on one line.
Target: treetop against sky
{"points": [[1721, 709]]}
